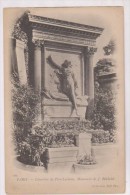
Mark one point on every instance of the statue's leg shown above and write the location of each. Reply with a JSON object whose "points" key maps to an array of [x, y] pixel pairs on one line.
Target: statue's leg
{"points": [[73, 100]]}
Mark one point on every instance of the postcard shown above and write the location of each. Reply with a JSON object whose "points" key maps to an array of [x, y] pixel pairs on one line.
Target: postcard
{"points": [[64, 100]]}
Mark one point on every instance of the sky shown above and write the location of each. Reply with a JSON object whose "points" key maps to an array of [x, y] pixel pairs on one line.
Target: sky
{"points": [[82, 16]]}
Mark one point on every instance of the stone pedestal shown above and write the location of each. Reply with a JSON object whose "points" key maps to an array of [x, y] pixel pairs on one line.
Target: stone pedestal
{"points": [[62, 157], [84, 144], [62, 109]]}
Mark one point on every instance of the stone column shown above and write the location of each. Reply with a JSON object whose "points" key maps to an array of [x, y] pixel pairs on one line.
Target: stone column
{"points": [[13, 57], [20, 57], [89, 78], [90, 54], [37, 65], [84, 145], [38, 75]]}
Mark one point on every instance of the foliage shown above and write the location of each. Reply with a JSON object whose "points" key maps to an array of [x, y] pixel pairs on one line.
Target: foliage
{"points": [[105, 66], [104, 116], [110, 48], [87, 160], [25, 109], [42, 137], [18, 31], [49, 134], [73, 124], [60, 133], [24, 103], [101, 136]]}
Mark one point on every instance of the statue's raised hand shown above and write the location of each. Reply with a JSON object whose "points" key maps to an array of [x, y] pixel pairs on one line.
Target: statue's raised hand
{"points": [[52, 63], [49, 59]]}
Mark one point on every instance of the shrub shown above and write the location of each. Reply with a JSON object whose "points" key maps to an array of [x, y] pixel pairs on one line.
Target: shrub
{"points": [[101, 136], [24, 103], [104, 116], [24, 109]]}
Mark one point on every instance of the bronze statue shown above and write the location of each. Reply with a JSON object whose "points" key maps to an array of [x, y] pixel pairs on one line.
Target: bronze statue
{"points": [[67, 80]]}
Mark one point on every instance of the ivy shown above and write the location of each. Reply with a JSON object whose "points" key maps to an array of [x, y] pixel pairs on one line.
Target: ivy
{"points": [[104, 116]]}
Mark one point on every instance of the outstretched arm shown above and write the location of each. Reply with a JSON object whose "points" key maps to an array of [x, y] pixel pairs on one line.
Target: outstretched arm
{"points": [[52, 63]]}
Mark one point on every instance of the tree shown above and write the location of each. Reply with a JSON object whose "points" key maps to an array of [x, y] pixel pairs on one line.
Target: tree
{"points": [[110, 48]]}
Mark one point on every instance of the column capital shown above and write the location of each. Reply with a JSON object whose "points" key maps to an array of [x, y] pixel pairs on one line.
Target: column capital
{"points": [[38, 43], [91, 50]]}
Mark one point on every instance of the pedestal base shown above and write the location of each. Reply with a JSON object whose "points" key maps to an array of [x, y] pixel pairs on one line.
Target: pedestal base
{"points": [[57, 109], [62, 158]]}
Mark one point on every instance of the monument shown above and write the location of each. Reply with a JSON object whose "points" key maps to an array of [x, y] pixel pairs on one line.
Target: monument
{"points": [[56, 58], [60, 63]]}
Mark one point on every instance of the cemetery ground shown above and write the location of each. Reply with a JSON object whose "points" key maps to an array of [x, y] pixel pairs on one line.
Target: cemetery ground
{"points": [[104, 155]]}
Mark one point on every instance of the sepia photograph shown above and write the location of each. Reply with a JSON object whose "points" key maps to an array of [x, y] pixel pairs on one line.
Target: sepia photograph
{"points": [[64, 100]]}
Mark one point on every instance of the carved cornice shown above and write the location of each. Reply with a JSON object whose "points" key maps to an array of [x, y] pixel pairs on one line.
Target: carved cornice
{"points": [[64, 28], [50, 45], [40, 19], [63, 38], [91, 51]]}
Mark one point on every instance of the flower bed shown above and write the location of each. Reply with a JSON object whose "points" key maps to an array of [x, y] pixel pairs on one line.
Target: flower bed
{"points": [[87, 160], [101, 136], [55, 134]]}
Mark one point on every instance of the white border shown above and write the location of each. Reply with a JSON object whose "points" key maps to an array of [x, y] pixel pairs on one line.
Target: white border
{"points": [[127, 92], [68, 3]]}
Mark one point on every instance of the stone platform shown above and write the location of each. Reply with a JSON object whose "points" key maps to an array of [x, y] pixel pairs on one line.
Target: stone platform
{"points": [[63, 157], [62, 109], [66, 157]]}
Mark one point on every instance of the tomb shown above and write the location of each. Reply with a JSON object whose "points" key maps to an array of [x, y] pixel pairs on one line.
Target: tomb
{"points": [[58, 63], [64, 89]]}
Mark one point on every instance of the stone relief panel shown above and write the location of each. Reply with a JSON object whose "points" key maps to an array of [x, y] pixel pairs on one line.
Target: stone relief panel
{"points": [[51, 80]]}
